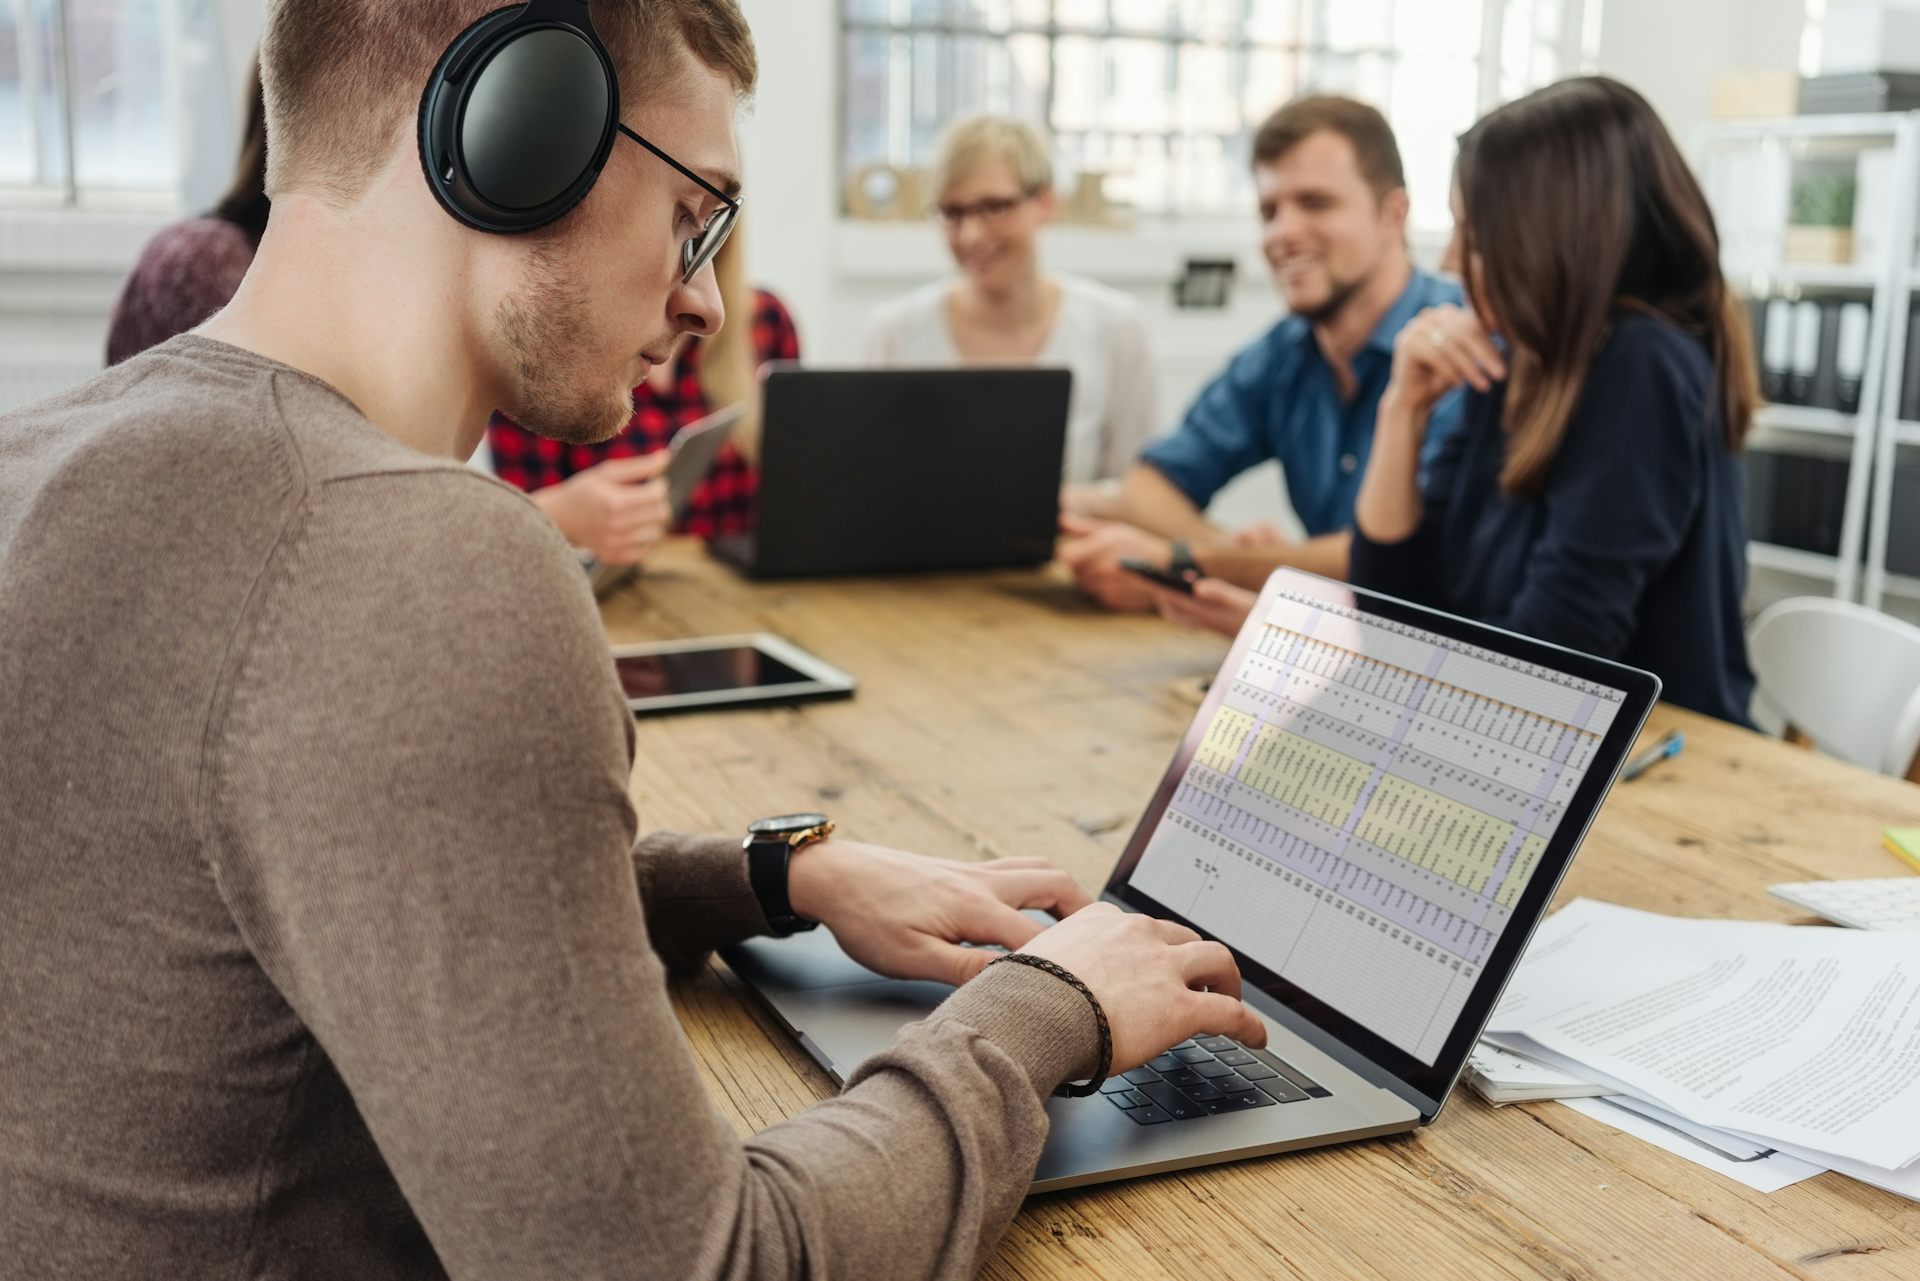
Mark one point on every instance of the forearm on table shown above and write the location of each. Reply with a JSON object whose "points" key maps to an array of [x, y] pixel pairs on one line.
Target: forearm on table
{"points": [[1249, 566], [1151, 502], [696, 895]]}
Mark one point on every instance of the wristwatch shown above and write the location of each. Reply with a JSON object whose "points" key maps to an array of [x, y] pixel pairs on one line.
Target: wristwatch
{"points": [[770, 845], [1180, 561]]}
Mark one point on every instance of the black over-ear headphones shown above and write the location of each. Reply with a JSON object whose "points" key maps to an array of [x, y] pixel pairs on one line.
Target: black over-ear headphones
{"points": [[519, 116]]}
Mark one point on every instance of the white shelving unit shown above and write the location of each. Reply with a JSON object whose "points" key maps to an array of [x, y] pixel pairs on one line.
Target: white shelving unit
{"points": [[1859, 570]]}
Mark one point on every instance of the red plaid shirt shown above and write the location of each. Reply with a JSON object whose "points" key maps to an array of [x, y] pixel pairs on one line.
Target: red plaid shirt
{"points": [[723, 504]]}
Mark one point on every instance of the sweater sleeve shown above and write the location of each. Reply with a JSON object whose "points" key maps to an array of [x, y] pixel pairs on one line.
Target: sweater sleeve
{"points": [[1624, 489], [696, 896], [420, 822]]}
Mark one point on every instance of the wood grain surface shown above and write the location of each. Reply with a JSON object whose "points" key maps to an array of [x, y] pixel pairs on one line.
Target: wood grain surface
{"points": [[1000, 714]]}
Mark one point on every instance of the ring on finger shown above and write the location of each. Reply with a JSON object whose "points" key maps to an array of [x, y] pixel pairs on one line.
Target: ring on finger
{"points": [[1438, 337]]}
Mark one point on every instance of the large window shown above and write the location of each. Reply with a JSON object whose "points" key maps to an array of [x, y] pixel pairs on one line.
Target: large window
{"points": [[1162, 96], [87, 101]]}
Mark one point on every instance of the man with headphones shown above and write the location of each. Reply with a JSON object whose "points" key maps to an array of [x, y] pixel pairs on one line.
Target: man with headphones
{"points": [[330, 950]]}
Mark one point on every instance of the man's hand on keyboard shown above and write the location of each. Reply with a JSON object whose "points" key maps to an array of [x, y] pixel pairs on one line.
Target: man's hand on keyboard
{"points": [[909, 917], [1158, 981]]}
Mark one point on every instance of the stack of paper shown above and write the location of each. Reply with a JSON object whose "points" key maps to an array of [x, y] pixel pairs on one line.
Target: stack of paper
{"points": [[1802, 1040], [1500, 1077]]}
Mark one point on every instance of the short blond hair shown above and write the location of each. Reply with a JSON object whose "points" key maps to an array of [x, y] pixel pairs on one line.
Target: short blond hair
{"points": [[341, 76], [978, 140]]}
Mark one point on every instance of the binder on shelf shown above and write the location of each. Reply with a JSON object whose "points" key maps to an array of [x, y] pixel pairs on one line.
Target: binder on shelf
{"points": [[1910, 368], [1776, 351], [1796, 500], [1824, 392], [1803, 365], [1850, 355], [1903, 524]]}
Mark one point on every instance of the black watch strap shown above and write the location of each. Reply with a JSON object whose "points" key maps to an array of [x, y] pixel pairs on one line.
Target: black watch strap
{"points": [[1180, 561], [768, 858]]}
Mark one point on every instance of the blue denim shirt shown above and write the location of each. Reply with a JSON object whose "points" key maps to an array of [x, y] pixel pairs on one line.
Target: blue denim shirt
{"points": [[1278, 399]]}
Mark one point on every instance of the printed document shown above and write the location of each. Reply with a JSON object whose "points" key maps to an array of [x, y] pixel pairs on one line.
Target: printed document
{"points": [[1805, 1036]]}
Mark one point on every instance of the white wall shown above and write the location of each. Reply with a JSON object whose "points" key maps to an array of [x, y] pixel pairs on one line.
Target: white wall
{"points": [[1671, 50]]}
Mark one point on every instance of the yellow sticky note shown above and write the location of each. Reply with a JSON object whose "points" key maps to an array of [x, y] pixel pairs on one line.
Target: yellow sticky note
{"points": [[1905, 842]]}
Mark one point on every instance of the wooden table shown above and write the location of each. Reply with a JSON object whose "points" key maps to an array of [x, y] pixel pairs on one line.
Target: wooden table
{"points": [[998, 714]]}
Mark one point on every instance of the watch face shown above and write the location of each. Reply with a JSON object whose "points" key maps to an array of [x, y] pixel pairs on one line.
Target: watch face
{"points": [[785, 823]]}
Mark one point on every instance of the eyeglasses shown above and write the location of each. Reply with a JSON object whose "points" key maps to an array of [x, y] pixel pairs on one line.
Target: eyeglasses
{"points": [[988, 209], [697, 251]]}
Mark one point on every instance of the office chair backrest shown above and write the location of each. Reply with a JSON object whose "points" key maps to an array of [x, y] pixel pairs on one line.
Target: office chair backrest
{"points": [[1846, 676]]}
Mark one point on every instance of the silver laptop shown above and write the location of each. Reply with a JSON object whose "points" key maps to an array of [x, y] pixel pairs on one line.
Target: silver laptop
{"points": [[1372, 809]]}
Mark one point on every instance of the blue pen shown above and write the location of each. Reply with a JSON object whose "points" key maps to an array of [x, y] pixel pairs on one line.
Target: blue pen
{"points": [[1666, 749]]}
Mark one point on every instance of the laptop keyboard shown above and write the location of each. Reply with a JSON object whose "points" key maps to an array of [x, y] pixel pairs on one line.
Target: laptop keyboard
{"points": [[1205, 1077]]}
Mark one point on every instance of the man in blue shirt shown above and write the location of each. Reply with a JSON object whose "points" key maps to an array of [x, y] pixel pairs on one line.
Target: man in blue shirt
{"points": [[1333, 216]]}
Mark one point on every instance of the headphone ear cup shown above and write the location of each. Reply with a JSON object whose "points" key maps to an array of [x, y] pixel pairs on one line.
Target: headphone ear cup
{"points": [[517, 121]]}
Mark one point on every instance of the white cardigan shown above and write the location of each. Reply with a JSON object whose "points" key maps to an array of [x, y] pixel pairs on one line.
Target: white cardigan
{"points": [[1098, 335]]}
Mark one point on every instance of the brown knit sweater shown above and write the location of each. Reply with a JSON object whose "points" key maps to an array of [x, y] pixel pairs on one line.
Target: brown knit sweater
{"points": [[321, 954]]}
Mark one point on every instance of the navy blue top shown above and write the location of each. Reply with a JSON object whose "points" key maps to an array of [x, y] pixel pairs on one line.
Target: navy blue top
{"points": [[1278, 399], [1634, 550]]}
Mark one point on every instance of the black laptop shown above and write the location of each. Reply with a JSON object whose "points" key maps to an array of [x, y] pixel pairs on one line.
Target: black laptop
{"points": [[887, 470]]}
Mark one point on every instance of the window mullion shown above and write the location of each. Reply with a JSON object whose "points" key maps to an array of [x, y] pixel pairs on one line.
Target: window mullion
{"points": [[63, 32], [1493, 23], [30, 89]]}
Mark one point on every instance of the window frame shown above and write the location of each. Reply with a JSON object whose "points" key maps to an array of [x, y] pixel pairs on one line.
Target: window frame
{"points": [[67, 192], [1574, 49]]}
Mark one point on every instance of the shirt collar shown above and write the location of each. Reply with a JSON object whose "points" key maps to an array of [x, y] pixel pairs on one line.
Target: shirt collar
{"points": [[1419, 294], [1412, 301]]}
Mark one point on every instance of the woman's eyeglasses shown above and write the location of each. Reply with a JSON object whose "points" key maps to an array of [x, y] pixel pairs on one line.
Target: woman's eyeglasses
{"points": [[988, 209]]}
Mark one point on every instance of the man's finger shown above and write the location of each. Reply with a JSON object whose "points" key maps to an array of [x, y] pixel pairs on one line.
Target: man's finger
{"points": [[1209, 965], [1077, 526], [964, 963], [1042, 887], [1222, 1015], [997, 923], [1172, 932], [638, 468]]}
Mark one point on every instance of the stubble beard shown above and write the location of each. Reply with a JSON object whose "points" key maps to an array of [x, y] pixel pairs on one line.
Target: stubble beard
{"points": [[543, 328]]}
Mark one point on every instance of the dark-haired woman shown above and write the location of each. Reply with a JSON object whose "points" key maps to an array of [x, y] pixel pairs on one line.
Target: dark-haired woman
{"points": [[1592, 496], [190, 270]]}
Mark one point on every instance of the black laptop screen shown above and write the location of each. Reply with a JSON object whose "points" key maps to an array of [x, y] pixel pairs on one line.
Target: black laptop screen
{"points": [[1374, 806]]}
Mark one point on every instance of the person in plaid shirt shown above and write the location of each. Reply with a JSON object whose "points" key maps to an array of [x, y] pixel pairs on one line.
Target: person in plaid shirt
{"points": [[610, 498]]}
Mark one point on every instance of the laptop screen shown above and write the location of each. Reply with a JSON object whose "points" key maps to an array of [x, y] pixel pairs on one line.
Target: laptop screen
{"points": [[1373, 807]]}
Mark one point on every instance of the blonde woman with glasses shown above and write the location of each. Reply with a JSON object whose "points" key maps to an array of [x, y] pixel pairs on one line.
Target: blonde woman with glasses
{"points": [[993, 185]]}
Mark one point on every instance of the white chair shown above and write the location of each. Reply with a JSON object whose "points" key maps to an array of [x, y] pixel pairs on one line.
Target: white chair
{"points": [[1846, 676]]}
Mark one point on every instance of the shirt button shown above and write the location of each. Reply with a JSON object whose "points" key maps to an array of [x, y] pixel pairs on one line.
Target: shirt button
{"points": [[1349, 464]]}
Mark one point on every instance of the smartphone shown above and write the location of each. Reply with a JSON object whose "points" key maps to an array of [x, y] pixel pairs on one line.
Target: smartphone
{"points": [[694, 448], [1161, 577]]}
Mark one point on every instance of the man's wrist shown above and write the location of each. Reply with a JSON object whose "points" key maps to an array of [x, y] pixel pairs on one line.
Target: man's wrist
{"points": [[1180, 559], [812, 872]]}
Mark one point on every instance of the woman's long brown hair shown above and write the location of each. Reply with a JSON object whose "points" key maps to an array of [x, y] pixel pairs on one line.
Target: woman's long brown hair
{"points": [[1578, 206], [245, 202]]}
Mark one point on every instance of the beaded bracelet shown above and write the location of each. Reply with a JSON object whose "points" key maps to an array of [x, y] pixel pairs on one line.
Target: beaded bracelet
{"points": [[1099, 1077]]}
